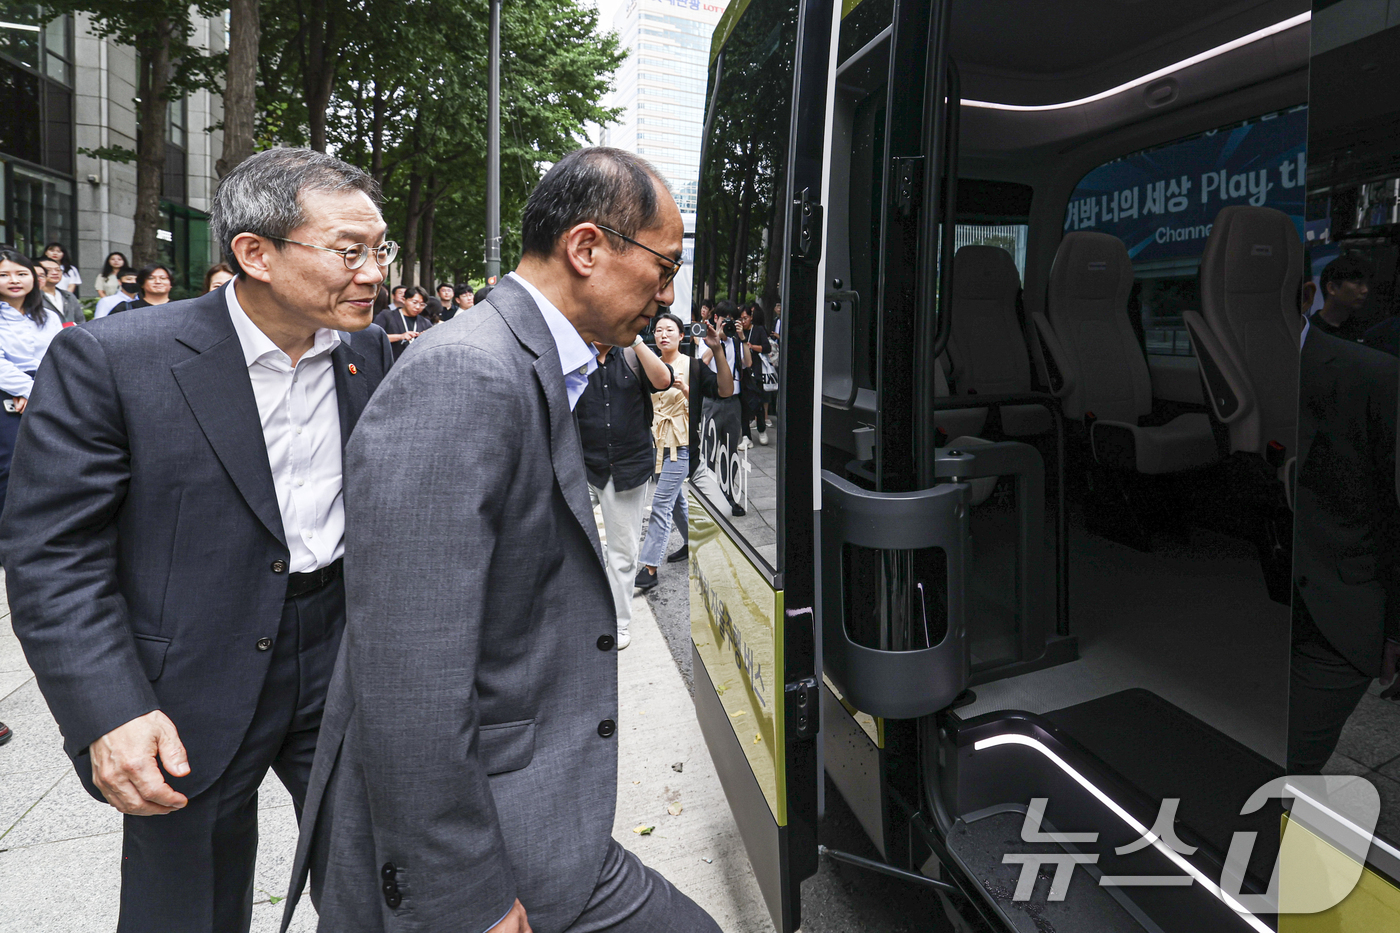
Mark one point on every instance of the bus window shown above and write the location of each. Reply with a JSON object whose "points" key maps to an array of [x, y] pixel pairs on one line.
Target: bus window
{"points": [[1162, 202]]}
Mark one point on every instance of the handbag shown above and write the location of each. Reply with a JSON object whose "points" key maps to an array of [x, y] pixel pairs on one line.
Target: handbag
{"points": [[767, 374]]}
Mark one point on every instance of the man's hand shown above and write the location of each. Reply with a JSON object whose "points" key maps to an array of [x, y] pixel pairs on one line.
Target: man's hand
{"points": [[711, 337], [1390, 663], [124, 765], [514, 922]]}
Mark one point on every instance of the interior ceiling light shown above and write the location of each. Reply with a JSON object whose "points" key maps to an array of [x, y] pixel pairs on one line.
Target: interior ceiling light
{"points": [[1152, 76], [1137, 826]]}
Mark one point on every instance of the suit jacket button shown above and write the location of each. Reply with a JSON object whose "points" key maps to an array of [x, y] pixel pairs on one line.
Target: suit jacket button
{"points": [[393, 900], [606, 642], [390, 889], [279, 566], [264, 644], [388, 871], [606, 728]]}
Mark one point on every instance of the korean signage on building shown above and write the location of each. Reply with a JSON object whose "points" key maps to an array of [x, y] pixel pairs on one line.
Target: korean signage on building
{"points": [[1162, 202]]}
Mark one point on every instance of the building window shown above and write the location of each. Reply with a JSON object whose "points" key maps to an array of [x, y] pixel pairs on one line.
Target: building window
{"points": [[174, 184]]}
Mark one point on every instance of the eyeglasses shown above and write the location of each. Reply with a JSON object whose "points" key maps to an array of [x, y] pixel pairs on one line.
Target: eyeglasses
{"points": [[356, 255], [667, 276]]}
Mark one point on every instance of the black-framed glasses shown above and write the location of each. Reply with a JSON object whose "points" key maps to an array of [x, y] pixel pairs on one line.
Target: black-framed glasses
{"points": [[356, 255], [675, 263]]}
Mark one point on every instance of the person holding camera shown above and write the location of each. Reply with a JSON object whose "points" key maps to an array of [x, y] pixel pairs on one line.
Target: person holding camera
{"points": [[676, 435], [726, 413]]}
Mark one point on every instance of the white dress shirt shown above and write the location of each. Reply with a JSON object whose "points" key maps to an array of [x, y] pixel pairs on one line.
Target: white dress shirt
{"points": [[105, 305], [301, 427], [576, 358], [23, 344]]}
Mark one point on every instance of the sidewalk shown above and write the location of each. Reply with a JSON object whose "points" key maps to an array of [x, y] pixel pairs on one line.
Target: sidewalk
{"points": [[60, 851]]}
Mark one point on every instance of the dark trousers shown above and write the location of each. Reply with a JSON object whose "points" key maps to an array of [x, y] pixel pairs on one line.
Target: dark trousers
{"points": [[191, 871], [9, 430], [752, 397], [1323, 691], [632, 898]]}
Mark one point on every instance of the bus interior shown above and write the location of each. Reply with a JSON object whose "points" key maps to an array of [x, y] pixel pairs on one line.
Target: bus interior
{"points": [[1098, 620]]}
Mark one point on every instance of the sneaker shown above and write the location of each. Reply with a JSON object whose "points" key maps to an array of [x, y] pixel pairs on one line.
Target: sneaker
{"points": [[763, 438], [745, 444], [738, 510], [646, 579], [623, 640], [679, 555], [5, 733]]}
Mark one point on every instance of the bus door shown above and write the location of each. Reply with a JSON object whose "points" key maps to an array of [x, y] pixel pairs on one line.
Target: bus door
{"points": [[753, 547]]}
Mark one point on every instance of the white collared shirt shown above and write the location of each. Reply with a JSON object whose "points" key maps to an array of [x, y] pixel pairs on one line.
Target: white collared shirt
{"points": [[105, 305], [576, 358], [23, 344], [301, 427]]}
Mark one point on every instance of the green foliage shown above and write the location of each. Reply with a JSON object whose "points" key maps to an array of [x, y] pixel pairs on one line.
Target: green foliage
{"points": [[111, 153], [410, 96]]}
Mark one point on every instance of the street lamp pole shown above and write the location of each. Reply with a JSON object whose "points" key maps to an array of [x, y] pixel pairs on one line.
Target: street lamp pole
{"points": [[493, 151]]}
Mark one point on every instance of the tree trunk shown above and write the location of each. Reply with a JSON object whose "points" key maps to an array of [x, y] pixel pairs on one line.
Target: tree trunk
{"points": [[427, 265], [413, 212], [154, 64], [240, 87], [319, 67], [376, 161]]}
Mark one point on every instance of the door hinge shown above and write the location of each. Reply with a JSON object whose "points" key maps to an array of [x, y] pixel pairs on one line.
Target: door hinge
{"points": [[802, 708], [807, 228], [908, 183]]}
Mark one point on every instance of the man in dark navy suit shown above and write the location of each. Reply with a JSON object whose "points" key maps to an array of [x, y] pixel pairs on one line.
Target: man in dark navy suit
{"points": [[173, 535]]}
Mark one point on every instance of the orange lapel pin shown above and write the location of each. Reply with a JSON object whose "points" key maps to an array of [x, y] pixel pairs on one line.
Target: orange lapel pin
{"points": [[353, 370]]}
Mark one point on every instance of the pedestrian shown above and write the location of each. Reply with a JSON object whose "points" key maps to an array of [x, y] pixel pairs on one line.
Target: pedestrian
{"points": [[396, 296], [404, 323], [216, 276], [154, 283], [614, 422], [463, 299], [173, 545], [72, 278], [28, 325], [675, 437], [126, 292], [59, 300], [108, 280], [727, 413], [472, 774], [446, 295], [754, 385]]}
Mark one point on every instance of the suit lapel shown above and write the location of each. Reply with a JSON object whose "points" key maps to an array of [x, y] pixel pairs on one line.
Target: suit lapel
{"points": [[217, 388], [1315, 355], [518, 309], [352, 388]]}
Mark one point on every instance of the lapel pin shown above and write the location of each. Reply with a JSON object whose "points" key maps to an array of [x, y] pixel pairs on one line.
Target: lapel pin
{"points": [[353, 370]]}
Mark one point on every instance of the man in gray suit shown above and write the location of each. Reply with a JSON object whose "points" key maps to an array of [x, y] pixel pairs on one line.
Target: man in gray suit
{"points": [[467, 770], [173, 532]]}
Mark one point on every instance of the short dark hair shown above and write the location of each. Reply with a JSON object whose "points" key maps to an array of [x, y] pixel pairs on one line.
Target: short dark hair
{"points": [[127, 272], [726, 308], [668, 316], [606, 186], [396, 289], [1347, 267], [462, 289], [262, 194], [411, 290], [480, 294], [148, 271]]}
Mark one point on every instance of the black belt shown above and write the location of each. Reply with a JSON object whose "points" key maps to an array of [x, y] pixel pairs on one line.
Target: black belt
{"points": [[299, 584]]}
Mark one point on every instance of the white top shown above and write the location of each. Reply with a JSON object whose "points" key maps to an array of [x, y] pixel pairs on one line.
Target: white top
{"points": [[728, 344], [301, 427], [576, 358], [23, 344], [71, 276], [105, 305]]}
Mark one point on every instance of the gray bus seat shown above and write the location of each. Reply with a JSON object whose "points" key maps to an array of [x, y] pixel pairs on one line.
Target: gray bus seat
{"points": [[987, 347], [955, 421], [1246, 334], [1101, 369]]}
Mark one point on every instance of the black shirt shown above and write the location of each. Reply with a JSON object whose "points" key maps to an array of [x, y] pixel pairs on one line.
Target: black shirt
{"points": [[1351, 329], [702, 378], [614, 424], [393, 321]]}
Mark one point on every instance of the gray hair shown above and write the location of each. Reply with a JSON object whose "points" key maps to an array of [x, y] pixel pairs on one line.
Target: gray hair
{"points": [[262, 195], [607, 186]]}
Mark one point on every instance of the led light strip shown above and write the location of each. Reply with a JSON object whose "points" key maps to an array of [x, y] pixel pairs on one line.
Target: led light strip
{"points": [[1372, 839], [1125, 816], [1153, 76]]}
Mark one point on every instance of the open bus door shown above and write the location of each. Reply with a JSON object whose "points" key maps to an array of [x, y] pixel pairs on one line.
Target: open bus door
{"points": [[753, 546]]}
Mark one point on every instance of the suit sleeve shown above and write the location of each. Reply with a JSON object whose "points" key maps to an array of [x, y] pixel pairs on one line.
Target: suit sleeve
{"points": [[58, 538], [413, 642]]}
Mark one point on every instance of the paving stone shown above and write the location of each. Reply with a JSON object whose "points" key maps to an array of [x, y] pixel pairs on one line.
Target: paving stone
{"points": [[19, 792], [67, 811], [1388, 826], [74, 886], [37, 744], [1372, 733]]}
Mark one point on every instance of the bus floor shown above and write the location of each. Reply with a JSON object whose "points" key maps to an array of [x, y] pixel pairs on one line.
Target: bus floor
{"points": [[1191, 621]]}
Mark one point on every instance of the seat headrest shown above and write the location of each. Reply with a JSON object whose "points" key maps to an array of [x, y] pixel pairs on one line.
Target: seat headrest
{"points": [[1091, 266], [1252, 248], [983, 272]]}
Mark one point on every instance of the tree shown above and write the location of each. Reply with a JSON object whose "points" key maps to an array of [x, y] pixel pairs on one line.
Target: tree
{"points": [[168, 67], [240, 86]]}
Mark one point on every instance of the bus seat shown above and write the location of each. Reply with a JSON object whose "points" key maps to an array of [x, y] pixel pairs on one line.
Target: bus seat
{"points": [[986, 346], [954, 421], [1092, 342], [1246, 334]]}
